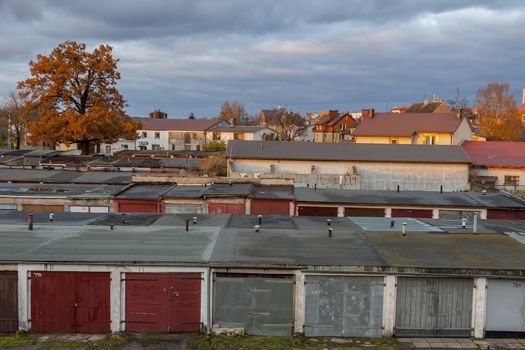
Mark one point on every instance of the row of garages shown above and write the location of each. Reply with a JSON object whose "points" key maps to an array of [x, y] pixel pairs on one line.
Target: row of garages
{"points": [[246, 198], [95, 299]]}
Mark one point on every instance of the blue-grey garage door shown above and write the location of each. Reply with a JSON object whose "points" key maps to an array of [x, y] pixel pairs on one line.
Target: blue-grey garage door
{"points": [[261, 306], [344, 306], [505, 306]]}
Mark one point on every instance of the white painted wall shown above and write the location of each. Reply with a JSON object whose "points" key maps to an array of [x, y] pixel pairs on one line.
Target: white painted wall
{"points": [[373, 175]]}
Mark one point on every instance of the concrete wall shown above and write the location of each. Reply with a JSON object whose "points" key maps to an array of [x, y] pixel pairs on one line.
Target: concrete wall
{"points": [[372, 175]]}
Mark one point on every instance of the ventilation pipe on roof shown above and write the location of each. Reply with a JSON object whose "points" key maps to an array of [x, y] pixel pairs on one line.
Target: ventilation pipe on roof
{"points": [[51, 217], [30, 223], [328, 222], [463, 223], [398, 188], [257, 227], [475, 224], [330, 232], [187, 225], [404, 229], [392, 223], [441, 189], [194, 220], [259, 219]]}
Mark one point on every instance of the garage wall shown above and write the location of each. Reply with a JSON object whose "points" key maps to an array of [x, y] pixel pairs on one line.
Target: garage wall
{"points": [[8, 301]]}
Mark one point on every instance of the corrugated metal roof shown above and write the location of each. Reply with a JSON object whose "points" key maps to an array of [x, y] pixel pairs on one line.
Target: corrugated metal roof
{"points": [[144, 191], [273, 192], [181, 191], [281, 150], [496, 153], [227, 190], [409, 198]]}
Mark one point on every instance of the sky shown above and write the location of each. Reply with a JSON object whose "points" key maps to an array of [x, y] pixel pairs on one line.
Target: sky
{"points": [[307, 55]]}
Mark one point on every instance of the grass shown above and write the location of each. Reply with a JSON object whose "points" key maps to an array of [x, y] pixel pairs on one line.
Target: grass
{"points": [[246, 342], [15, 341], [112, 342]]}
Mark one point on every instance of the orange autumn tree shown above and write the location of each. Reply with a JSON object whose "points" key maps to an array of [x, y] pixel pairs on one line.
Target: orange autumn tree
{"points": [[74, 92]]}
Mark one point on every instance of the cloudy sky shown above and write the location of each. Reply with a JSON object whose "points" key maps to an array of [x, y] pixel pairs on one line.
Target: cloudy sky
{"points": [[190, 56]]}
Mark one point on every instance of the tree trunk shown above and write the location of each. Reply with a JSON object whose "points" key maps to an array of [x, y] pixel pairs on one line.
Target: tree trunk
{"points": [[17, 146], [84, 147]]}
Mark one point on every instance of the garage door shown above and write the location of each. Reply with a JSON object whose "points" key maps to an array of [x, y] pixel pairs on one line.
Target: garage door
{"points": [[183, 208], [226, 208], [40, 208], [70, 302], [261, 306], [8, 301], [411, 213], [505, 214], [138, 207], [458, 214], [433, 307], [505, 306], [344, 306], [373, 212], [163, 302], [317, 211], [270, 207]]}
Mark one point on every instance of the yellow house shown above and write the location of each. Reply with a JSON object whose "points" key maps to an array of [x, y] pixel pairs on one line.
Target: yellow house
{"points": [[413, 128]]}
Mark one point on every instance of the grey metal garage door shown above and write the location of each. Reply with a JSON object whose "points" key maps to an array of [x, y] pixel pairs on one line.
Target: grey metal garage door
{"points": [[344, 306], [505, 306], [262, 306], [434, 307], [183, 208]]}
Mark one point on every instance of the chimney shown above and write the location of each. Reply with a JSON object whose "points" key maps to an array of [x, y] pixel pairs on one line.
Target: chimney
{"points": [[523, 96], [233, 121], [367, 113]]}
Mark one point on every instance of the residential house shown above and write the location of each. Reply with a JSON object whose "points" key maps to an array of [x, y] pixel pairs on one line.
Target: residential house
{"points": [[497, 164], [412, 128], [352, 166], [271, 117], [435, 106], [226, 133], [522, 107], [331, 126]]}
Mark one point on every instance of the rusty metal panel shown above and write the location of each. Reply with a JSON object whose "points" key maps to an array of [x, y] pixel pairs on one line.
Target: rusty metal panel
{"points": [[505, 214], [70, 302], [226, 208], [262, 306], [317, 211], [372, 212], [434, 307], [270, 207], [505, 305], [142, 206], [344, 306], [8, 301], [412, 213], [163, 302]]}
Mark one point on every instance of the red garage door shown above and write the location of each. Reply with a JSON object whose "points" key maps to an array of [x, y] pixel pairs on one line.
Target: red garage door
{"points": [[270, 207], [374, 212], [226, 208], [317, 211], [8, 301], [505, 214], [411, 213], [70, 302], [140, 207], [163, 302]]}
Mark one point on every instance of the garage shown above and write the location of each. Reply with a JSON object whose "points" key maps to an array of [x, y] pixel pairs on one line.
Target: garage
{"points": [[270, 207], [88, 209], [259, 305], [70, 302], [370, 212], [226, 208], [505, 214], [173, 208], [344, 306], [412, 213], [458, 214], [505, 307], [42, 207], [439, 307], [163, 302], [8, 301], [144, 206], [316, 211]]}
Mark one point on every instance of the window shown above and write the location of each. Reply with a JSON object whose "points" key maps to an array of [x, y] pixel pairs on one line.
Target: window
{"points": [[342, 127], [108, 149], [155, 147], [144, 134], [124, 147], [394, 141], [512, 180], [430, 140], [157, 135], [143, 148]]}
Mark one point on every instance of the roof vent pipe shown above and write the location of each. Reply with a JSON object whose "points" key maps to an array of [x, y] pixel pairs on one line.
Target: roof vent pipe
{"points": [[257, 227], [187, 225], [111, 227], [404, 229], [392, 223], [475, 224], [30, 223], [441, 189], [463, 223], [330, 232], [397, 188], [194, 220], [51, 217], [259, 219], [328, 222]]}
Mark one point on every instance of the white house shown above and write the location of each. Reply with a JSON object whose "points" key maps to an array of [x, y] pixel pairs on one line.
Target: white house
{"points": [[226, 133]]}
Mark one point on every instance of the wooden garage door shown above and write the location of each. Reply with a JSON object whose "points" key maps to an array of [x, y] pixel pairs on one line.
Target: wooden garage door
{"points": [[373, 212], [317, 211], [163, 302], [40, 208], [8, 301], [226, 208], [270, 207], [138, 207], [412, 213], [70, 302]]}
